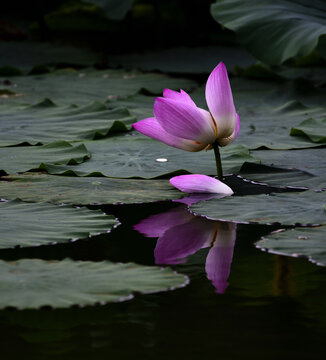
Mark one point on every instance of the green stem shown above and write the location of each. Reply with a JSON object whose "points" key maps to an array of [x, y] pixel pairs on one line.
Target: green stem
{"points": [[218, 161]]}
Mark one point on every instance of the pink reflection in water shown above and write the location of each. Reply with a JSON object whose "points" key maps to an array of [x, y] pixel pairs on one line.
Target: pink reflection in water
{"points": [[181, 234]]}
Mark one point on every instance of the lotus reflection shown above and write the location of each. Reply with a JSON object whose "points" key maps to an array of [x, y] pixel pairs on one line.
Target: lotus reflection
{"points": [[181, 234]]}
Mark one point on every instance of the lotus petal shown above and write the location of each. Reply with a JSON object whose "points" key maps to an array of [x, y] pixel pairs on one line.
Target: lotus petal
{"points": [[152, 128], [220, 101], [200, 183], [184, 120]]}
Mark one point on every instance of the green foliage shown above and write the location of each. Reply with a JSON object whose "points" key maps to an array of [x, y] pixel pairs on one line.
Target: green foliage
{"points": [[84, 190], [309, 242], [43, 223], [46, 122], [24, 158], [30, 284], [274, 31], [135, 157], [68, 86], [313, 129], [287, 209]]}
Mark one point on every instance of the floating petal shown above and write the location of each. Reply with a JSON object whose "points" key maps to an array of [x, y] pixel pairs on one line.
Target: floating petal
{"points": [[200, 183]]}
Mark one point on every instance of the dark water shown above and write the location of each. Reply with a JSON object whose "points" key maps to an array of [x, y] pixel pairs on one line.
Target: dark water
{"points": [[272, 306]]}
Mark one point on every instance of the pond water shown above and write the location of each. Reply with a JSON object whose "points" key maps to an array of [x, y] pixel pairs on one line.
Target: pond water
{"points": [[241, 302]]}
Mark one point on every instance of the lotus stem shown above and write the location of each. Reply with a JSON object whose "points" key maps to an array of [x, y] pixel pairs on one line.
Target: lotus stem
{"points": [[218, 161]]}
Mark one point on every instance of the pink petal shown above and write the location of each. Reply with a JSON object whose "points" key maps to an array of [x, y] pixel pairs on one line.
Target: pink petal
{"points": [[183, 120], [152, 128], [200, 183], [181, 241], [156, 225], [219, 258], [181, 96], [220, 101], [233, 136]]}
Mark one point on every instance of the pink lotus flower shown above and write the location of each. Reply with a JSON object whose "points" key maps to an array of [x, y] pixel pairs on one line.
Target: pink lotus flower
{"points": [[181, 234], [178, 122]]}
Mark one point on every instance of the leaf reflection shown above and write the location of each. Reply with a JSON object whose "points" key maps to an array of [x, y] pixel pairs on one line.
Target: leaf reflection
{"points": [[181, 234]]}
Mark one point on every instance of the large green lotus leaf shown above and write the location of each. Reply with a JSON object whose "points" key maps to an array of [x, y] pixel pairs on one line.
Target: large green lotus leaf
{"points": [[84, 190], [113, 9], [274, 31], [183, 60], [271, 175], [139, 105], [304, 168], [270, 126], [287, 208], [28, 224], [30, 284], [70, 86], [27, 55], [312, 129], [24, 158], [310, 242], [311, 161], [143, 157], [46, 122]]}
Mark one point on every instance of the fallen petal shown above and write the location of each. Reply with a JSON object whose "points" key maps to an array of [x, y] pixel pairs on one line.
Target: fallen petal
{"points": [[200, 183]]}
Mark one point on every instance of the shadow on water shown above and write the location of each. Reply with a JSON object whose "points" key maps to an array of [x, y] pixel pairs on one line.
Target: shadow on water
{"points": [[241, 302]]}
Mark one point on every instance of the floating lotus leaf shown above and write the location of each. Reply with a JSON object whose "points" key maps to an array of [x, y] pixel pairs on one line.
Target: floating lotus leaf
{"points": [[277, 123], [30, 284], [28, 224], [69, 86], [309, 242], [142, 157], [24, 158], [287, 208], [46, 122], [313, 129], [304, 168], [311, 161], [282, 177], [84, 190]]}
